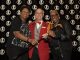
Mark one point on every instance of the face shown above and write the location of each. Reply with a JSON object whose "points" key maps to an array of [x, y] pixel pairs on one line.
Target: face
{"points": [[39, 14], [54, 16], [24, 13]]}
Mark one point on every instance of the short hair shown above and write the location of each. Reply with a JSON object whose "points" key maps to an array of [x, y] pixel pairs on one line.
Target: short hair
{"points": [[40, 9], [55, 12], [24, 6]]}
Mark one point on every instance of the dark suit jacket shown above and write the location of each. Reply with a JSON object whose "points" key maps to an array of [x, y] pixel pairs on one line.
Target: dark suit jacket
{"points": [[61, 45], [63, 35], [65, 32]]}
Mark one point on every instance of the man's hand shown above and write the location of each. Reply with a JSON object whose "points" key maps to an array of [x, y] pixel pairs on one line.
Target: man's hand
{"points": [[51, 33], [45, 35]]}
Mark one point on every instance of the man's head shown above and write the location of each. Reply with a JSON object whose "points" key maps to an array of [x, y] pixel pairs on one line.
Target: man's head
{"points": [[39, 13], [24, 12], [54, 16]]}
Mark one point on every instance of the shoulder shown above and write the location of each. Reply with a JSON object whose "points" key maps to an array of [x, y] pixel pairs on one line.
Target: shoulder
{"points": [[64, 21], [32, 23], [45, 23], [16, 22], [17, 19]]}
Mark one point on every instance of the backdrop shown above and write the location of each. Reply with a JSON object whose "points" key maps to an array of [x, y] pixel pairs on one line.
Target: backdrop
{"points": [[68, 10]]}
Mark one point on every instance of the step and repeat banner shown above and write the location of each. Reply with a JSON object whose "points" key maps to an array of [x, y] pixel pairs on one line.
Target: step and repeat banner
{"points": [[68, 10]]}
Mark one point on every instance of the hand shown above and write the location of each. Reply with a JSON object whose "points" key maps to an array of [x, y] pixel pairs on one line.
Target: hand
{"points": [[33, 42], [26, 39], [60, 25], [51, 33], [45, 35]]}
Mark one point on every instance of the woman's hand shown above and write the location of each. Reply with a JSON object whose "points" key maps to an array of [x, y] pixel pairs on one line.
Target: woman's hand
{"points": [[33, 41]]}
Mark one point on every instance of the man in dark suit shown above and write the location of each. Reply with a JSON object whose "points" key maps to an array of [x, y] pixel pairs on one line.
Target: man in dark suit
{"points": [[60, 44]]}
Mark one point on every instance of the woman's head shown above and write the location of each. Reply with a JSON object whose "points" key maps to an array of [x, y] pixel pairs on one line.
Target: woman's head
{"points": [[24, 12]]}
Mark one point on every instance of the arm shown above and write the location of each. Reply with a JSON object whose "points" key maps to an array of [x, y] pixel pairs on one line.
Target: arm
{"points": [[15, 29], [17, 34], [65, 32]]}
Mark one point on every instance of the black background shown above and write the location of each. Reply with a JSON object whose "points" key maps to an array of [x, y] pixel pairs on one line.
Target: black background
{"points": [[75, 52]]}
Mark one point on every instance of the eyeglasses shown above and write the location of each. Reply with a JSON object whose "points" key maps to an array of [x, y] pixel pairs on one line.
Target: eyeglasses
{"points": [[25, 11]]}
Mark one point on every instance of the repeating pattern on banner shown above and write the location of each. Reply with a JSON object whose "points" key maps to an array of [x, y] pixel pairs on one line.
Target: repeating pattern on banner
{"points": [[68, 10]]}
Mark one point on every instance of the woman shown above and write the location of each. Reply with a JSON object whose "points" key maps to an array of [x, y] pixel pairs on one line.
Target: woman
{"points": [[19, 33]]}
